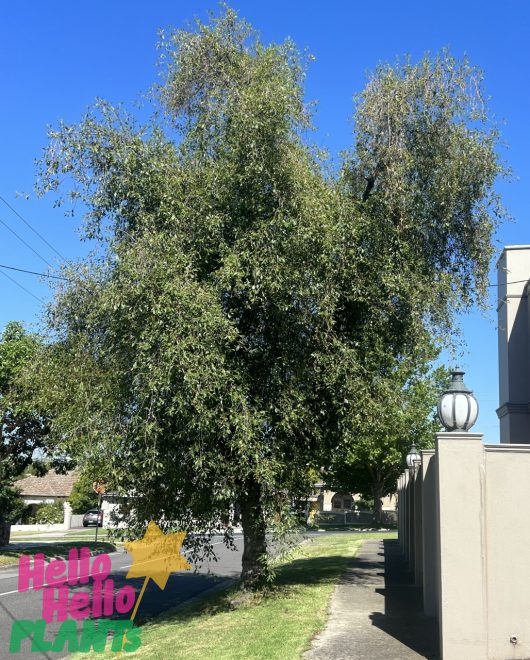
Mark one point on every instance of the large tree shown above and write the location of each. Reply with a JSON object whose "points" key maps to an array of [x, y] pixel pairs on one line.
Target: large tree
{"points": [[220, 343], [23, 431]]}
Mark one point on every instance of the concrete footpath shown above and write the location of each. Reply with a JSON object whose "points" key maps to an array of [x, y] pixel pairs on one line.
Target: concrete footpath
{"points": [[376, 612]]}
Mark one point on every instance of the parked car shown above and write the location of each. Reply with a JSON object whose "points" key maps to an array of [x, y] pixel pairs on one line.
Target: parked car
{"points": [[93, 517]]}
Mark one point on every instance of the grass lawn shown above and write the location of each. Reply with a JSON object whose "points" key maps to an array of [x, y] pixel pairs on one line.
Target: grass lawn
{"points": [[278, 623], [82, 532], [70, 535], [52, 550], [357, 527]]}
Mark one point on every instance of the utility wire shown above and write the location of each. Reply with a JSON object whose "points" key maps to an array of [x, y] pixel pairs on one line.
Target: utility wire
{"points": [[64, 258], [21, 286], [67, 279], [32, 228], [25, 243], [506, 283], [32, 272]]}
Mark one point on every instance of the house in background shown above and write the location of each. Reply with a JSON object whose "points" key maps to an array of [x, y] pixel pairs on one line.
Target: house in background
{"points": [[325, 500], [47, 489], [513, 276]]}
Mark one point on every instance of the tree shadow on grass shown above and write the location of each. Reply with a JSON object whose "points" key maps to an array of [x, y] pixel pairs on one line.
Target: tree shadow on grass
{"points": [[298, 572], [319, 570], [182, 590]]}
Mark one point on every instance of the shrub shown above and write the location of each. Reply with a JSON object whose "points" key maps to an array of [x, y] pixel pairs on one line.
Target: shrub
{"points": [[49, 514], [11, 504], [364, 504]]}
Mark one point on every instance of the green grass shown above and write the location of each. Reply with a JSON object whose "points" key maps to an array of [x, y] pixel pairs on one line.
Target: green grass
{"points": [[275, 624], [354, 526], [88, 531], [52, 550], [71, 535]]}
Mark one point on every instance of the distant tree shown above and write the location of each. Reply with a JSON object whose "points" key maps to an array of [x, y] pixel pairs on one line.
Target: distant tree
{"points": [[11, 503], [402, 412], [83, 496], [248, 310], [23, 430]]}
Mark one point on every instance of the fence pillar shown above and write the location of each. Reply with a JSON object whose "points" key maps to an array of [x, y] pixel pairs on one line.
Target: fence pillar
{"points": [[410, 518], [67, 515], [406, 515], [418, 525], [400, 511], [460, 488], [430, 532]]}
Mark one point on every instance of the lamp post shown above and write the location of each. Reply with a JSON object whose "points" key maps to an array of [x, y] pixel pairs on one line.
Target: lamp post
{"points": [[412, 457], [99, 488], [457, 407]]}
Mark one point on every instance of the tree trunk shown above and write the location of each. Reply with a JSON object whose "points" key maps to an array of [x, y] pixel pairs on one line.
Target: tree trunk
{"points": [[377, 489], [255, 543], [5, 532]]}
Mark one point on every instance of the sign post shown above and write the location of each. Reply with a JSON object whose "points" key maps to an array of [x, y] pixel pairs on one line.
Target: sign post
{"points": [[99, 488]]}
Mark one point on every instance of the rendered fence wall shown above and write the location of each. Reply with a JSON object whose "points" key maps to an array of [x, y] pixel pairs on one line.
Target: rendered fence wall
{"points": [[474, 562], [507, 546], [430, 541]]}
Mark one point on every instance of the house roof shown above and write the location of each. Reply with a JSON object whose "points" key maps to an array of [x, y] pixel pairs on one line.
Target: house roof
{"points": [[50, 485]]}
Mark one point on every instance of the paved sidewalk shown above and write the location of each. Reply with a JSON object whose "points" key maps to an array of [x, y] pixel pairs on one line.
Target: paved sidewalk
{"points": [[376, 612]]}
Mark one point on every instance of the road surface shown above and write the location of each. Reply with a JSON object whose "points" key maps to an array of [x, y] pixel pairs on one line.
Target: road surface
{"points": [[181, 587]]}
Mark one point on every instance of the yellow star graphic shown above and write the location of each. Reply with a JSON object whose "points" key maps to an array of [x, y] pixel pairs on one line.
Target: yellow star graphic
{"points": [[157, 555]]}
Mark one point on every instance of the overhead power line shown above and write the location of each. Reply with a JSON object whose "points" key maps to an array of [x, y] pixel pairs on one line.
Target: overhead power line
{"points": [[26, 243], [506, 283], [28, 224], [67, 279], [21, 286], [33, 272]]}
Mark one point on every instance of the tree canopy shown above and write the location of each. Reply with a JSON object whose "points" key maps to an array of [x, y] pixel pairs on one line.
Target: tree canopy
{"points": [[245, 302], [23, 430], [402, 412], [83, 496]]}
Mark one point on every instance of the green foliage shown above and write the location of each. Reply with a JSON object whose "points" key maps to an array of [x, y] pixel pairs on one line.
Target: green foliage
{"points": [[23, 431], [11, 504], [16, 348], [250, 315], [83, 496], [49, 514], [364, 504], [402, 411]]}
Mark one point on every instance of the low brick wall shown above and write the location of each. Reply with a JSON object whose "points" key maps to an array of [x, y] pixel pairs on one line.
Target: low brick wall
{"points": [[59, 527]]}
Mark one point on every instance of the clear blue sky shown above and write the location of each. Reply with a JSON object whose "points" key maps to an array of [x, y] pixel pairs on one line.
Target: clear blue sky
{"points": [[58, 56]]}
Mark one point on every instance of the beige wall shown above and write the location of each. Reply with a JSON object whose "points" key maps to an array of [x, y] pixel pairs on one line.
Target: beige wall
{"points": [[475, 544], [507, 545], [461, 552], [513, 272]]}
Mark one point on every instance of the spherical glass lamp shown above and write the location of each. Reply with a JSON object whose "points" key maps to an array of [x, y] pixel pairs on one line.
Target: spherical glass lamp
{"points": [[457, 407], [412, 456]]}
